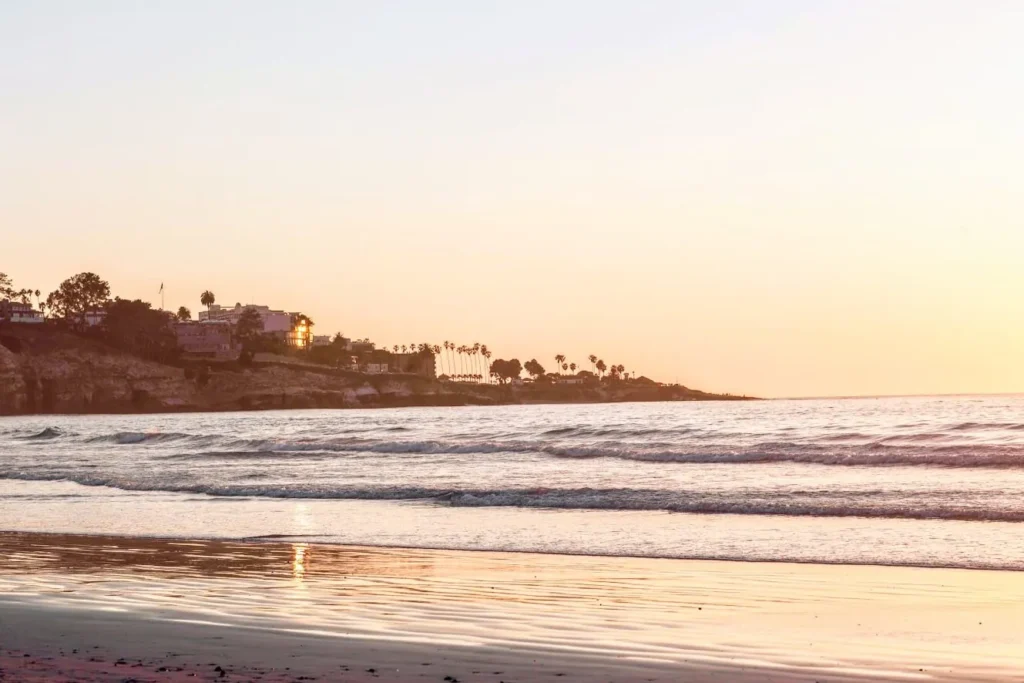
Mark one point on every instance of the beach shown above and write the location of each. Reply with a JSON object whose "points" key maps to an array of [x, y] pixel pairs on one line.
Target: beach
{"points": [[831, 540], [177, 610]]}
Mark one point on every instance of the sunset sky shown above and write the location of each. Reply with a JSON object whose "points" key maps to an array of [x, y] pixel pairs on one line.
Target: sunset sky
{"points": [[770, 198]]}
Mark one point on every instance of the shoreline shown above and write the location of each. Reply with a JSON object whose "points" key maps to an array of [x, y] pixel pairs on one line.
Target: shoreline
{"points": [[255, 608], [395, 405], [313, 539]]}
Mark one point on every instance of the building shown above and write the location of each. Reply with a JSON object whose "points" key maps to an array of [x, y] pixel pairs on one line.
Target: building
{"points": [[569, 380], [376, 368], [208, 339], [294, 328], [273, 321], [322, 340], [424, 364], [94, 317], [360, 346], [300, 335], [17, 312]]}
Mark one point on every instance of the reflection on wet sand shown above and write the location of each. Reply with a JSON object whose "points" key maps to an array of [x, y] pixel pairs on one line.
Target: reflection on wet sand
{"points": [[888, 620], [28, 553]]}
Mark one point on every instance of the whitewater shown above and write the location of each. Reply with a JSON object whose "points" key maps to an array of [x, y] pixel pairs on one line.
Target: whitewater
{"points": [[935, 481]]}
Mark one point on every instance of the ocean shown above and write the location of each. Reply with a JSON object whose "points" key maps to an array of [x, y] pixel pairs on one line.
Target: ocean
{"points": [[924, 481]]}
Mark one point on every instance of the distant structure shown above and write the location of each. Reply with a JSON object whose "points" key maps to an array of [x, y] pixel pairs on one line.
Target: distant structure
{"points": [[290, 327], [210, 339], [17, 312], [424, 364]]}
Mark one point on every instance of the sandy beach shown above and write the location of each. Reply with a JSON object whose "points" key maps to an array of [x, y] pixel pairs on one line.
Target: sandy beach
{"points": [[89, 608]]}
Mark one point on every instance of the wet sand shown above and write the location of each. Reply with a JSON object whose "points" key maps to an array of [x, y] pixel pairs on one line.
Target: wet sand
{"points": [[118, 609]]}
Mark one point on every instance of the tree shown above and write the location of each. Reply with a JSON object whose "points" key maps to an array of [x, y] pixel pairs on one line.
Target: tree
{"points": [[77, 295], [506, 370], [534, 368], [601, 367], [9, 293], [559, 359], [183, 314], [593, 362], [207, 299], [135, 327], [249, 328], [565, 367], [7, 290], [572, 368], [486, 353]]}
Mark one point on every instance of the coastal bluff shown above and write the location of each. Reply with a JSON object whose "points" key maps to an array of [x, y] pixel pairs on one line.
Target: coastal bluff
{"points": [[60, 373]]}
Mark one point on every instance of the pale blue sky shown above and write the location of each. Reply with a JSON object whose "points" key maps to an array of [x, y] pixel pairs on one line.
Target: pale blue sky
{"points": [[766, 197]]}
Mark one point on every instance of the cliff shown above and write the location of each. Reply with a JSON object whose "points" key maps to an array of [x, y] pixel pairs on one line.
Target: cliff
{"points": [[47, 371]]}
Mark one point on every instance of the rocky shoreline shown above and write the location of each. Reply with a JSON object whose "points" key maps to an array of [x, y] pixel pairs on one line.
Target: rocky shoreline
{"points": [[65, 374]]}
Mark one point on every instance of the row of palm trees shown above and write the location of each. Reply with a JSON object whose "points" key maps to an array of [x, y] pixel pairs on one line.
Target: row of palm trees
{"points": [[466, 362], [459, 362], [600, 368]]}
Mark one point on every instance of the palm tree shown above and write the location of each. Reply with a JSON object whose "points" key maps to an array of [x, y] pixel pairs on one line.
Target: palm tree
{"points": [[436, 350], [572, 367], [207, 299], [404, 347], [38, 304], [486, 352], [476, 361], [448, 346], [593, 362], [559, 359], [565, 367], [601, 367]]}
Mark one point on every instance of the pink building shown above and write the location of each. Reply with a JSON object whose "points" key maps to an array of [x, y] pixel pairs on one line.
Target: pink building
{"points": [[207, 339]]}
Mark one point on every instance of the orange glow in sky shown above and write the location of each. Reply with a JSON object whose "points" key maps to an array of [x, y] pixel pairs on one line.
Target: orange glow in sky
{"points": [[779, 199]]}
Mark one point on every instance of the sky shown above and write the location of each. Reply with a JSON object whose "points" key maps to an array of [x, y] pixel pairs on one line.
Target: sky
{"points": [[776, 199]]}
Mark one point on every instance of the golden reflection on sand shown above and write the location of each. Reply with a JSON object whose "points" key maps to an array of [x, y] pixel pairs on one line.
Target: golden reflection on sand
{"points": [[299, 560]]}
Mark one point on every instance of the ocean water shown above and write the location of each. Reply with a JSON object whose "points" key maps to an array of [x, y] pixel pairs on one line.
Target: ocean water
{"points": [[902, 481]]}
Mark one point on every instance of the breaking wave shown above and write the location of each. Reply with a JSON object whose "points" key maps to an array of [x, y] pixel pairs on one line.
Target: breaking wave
{"points": [[45, 435], [801, 504]]}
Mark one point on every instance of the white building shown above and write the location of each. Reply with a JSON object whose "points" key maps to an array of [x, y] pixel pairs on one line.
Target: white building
{"points": [[275, 322], [17, 312]]}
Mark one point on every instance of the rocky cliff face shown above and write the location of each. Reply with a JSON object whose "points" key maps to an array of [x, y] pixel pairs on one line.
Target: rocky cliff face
{"points": [[83, 381], [52, 372], [70, 376]]}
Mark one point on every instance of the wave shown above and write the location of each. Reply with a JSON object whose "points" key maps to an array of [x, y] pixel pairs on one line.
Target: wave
{"points": [[45, 435], [982, 426], [939, 449], [792, 504], [125, 438], [989, 456]]}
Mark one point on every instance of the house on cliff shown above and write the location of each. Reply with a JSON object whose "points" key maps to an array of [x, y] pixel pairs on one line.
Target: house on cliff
{"points": [[209, 339], [17, 312]]}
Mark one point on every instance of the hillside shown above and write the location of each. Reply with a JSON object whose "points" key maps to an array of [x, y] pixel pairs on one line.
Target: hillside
{"points": [[47, 371]]}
